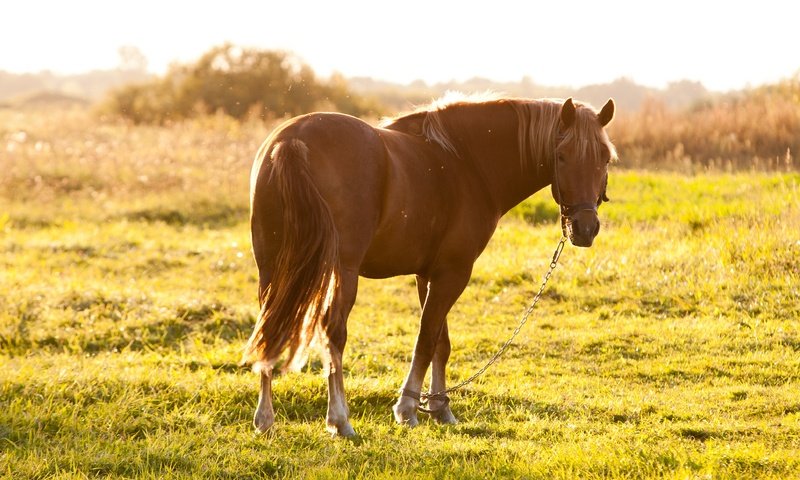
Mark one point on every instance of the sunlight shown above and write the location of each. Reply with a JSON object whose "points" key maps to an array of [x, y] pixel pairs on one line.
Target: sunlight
{"points": [[590, 42]]}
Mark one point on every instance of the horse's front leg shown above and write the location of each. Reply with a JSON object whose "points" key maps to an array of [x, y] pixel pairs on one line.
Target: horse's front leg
{"points": [[439, 406], [443, 291]]}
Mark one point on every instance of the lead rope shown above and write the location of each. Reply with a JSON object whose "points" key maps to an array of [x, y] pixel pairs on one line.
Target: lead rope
{"points": [[442, 395]]}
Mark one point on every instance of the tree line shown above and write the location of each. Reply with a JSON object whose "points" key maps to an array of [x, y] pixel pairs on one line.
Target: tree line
{"points": [[239, 82]]}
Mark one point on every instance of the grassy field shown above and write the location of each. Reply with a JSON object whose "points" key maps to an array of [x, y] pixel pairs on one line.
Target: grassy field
{"points": [[671, 349]]}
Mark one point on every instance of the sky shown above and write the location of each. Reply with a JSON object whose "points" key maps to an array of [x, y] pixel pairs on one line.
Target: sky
{"points": [[724, 45]]}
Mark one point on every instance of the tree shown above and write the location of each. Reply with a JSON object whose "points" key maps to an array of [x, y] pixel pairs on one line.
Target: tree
{"points": [[238, 82]]}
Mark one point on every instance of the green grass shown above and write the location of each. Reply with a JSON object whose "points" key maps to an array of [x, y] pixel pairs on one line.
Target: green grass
{"points": [[669, 349]]}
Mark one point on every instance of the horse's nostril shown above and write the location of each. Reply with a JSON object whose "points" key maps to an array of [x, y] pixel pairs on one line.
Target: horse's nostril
{"points": [[589, 229]]}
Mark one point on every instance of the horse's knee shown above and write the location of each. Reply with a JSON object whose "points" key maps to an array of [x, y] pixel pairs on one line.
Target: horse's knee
{"points": [[337, 339]]}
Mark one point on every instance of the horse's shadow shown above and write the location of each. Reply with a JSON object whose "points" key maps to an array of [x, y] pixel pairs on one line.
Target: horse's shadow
{"points": [[480, 414]]}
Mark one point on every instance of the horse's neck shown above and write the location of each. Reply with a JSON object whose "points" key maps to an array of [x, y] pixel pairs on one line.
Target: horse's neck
{"points": [[490, 136]]}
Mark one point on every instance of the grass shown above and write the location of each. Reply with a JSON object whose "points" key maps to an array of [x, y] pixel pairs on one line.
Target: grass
{"points": [[758, 129], [670, 349]]}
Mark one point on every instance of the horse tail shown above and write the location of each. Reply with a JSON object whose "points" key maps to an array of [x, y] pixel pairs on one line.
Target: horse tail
{"points": [[295, 306]]}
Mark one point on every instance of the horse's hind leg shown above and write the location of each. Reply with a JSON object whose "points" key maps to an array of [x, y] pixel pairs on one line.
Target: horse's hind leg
{"points": [[265, 415], [337, 418]]}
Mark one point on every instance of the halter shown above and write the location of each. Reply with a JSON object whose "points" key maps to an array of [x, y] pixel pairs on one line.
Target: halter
{"points": [[568, 211]]}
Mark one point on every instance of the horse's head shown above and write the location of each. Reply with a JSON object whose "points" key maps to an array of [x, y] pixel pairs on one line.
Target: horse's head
{"points": [[580, 171]]}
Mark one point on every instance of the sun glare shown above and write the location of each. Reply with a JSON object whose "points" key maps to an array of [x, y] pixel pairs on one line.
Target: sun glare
{"points": [[582, 43]]}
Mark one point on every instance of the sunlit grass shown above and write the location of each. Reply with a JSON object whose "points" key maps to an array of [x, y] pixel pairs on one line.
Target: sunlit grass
{"points": [[669, 349]]}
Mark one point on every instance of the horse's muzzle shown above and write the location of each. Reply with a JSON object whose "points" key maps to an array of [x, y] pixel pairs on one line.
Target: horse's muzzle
{"points": [[581, 227]]}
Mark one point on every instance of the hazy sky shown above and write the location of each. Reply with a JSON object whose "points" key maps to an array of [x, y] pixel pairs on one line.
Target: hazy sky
{"points": [[723, 44]]}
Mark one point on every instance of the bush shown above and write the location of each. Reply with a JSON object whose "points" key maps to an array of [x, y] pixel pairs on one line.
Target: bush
{"points": [[238, 82]]}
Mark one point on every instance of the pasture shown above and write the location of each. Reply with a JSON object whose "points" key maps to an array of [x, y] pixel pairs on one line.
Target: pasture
{"points": [[670, 349]]}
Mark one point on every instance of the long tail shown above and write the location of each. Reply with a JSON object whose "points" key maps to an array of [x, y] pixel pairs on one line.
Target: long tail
{"points": [[304, 280]]}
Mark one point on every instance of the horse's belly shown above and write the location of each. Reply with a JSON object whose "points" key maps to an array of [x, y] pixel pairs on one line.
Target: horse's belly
{"points": [[385, 268], [406, 247], [381, 262]]}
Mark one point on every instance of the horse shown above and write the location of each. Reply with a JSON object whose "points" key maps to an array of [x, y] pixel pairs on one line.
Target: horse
{"points": [[333, 198]]}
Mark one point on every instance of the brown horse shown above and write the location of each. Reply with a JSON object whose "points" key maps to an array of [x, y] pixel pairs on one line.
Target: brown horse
{"points": [[333, 198]]}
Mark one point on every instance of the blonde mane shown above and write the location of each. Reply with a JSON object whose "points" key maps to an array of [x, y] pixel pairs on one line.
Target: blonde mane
{"points": [[538, 131], [432, 127]]}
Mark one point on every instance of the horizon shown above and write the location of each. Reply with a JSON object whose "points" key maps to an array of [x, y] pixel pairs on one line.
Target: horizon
{"points": [[652, 45], [493, 81]]}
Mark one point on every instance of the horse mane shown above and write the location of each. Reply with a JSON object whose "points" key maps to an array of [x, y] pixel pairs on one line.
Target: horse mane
{"points": [[538, 131], [426, 120]]}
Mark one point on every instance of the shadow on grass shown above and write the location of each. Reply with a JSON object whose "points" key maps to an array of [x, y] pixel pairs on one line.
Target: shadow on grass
{"points": [[204, 322], [535, 211], [204, 213]]}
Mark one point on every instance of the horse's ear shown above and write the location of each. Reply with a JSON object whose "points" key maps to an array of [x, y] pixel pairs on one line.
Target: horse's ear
{"points": [[568, 113], [607, 113]]}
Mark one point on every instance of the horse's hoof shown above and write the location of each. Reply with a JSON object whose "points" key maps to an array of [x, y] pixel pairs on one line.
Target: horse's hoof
{"points": [[263, 423], [405, 412], [444, 416], [343, 430]]}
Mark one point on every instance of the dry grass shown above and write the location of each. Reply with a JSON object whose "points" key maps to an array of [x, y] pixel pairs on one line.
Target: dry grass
{"points": [[756, 130], [66, 165]]}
